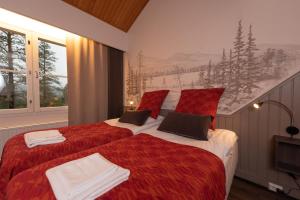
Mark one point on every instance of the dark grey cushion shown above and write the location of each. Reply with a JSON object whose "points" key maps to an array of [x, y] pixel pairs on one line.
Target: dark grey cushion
{"points": [[135, 117], [188, 125]]}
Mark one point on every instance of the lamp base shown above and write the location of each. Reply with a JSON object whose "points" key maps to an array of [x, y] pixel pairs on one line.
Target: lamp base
{"points": [[292, 130]]}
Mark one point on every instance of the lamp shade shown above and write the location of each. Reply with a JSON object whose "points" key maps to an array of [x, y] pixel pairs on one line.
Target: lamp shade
{"points": [[291, 129], [257, 105]]}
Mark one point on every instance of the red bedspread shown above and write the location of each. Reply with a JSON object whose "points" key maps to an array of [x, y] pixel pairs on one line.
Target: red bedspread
{"points": [[158, 170], [17, 157]]}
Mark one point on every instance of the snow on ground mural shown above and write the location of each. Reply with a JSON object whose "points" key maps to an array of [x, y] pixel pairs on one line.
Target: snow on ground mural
{"points": [[246, 71]]}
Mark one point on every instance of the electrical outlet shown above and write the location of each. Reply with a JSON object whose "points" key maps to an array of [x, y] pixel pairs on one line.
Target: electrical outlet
{"points": [[274, 187]]}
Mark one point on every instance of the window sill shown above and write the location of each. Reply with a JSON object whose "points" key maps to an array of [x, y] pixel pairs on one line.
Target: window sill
{"points": [[28, 118], [27, 110]]}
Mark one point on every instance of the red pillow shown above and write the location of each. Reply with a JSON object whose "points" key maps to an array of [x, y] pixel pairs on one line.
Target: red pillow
{"points": [[153, 101], [200, 101]]}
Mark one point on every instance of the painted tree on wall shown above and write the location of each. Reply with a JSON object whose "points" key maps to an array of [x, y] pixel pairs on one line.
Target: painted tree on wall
{"points": [[252, 74], [208, 79], [132, 82], [201, 76], [178, 76], [238, 60], [221, 71], [241, 70]]}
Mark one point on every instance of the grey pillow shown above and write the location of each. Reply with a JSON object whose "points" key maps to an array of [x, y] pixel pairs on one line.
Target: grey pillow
{"points": [[188, 125], [135, 117]]}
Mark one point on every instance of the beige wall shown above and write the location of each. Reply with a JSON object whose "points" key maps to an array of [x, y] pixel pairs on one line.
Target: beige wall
{"points": [[59, 14], [196, 28], [172, 26], [174, 43]]}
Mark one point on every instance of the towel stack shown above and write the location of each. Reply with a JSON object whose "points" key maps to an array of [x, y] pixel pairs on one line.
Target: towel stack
{"points": [[36, 138], [85, 178]]}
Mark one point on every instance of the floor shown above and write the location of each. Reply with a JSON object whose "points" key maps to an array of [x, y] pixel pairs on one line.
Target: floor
{"points": [[243, 190]]}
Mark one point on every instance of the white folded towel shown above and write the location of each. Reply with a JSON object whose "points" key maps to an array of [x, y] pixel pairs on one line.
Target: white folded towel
{"points": [[36, 138], [85, 178]]}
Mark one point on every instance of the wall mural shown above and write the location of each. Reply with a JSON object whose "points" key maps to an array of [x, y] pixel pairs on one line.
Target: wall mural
{"points": [[246, 71]]}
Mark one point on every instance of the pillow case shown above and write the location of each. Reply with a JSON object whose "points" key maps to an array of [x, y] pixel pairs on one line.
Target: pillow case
{"points": [[200, 101], [135, 117], [188, 125], [153, 101]]}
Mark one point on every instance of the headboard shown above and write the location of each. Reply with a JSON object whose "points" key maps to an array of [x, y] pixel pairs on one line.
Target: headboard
{"points": [[164, 112]]}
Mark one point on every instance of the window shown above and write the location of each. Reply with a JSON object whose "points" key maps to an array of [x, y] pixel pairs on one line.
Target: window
{"points": [[13, 87], [33, 71], [52, 74]]}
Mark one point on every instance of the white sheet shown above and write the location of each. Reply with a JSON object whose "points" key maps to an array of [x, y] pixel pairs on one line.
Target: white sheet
{"points": [[230, 163], [136, 129], [220, 141]]}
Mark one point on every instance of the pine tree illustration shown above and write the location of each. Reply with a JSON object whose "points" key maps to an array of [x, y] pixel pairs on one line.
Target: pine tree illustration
{"points": [[144, 83], [208, 79], [224, 70], [178, 76], [230, 84], [201, 77], [281, 57], [252, 74], [238, 57], [130, 81], [267, 63], [215, 75]]}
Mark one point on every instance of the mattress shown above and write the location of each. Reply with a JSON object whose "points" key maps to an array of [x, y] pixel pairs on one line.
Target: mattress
{"points": [[221, 142]]}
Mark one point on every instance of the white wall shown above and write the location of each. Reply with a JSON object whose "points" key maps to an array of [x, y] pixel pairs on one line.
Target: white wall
{"points": [[60, 14]]}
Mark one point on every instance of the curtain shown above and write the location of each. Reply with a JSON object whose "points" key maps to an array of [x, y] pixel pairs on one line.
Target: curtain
{"points": [[87, 80], [115, 83]]}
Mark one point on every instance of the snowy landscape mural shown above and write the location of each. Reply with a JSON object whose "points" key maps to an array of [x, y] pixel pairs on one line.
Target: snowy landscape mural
{"points": [[246, 70]]}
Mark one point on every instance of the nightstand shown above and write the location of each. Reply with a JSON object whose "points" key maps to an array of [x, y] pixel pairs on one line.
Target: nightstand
{"points": [[287, 154], [129, 109]]}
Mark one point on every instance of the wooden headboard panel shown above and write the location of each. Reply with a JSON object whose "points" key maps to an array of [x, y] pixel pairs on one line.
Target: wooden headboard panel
{"points": [[164, 112]]}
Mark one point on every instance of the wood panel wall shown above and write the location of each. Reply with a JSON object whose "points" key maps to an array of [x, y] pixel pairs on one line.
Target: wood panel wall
{"points": [[256, 129]]}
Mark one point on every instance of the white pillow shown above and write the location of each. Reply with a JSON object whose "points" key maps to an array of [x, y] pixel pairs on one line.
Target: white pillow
{"points": [[223, 139], [151, 120]]}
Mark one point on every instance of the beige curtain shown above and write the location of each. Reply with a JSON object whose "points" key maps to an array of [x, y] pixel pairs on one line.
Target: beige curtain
{"points": [[87, 80]]}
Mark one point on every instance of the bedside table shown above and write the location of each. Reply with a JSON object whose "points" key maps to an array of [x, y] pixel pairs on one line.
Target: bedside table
{"points": [[287, 151], [129, 108]]}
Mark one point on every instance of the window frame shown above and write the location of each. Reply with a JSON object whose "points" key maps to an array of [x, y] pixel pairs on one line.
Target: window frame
{"points": [[32, 70]]}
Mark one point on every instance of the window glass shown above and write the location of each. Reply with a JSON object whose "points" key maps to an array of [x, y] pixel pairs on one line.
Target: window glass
{"points": [[13, 87], [52, 74]]}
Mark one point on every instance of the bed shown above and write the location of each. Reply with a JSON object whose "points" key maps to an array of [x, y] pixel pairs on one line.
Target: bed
{"points": [[162, 166], [17, 157], [221, 142]]}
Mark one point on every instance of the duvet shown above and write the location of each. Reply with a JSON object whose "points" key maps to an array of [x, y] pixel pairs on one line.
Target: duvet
{"points": [[158, 170], [17, 157]]}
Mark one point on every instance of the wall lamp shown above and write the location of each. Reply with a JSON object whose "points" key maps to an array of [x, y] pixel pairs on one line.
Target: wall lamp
{"points": [[291, 129]]}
